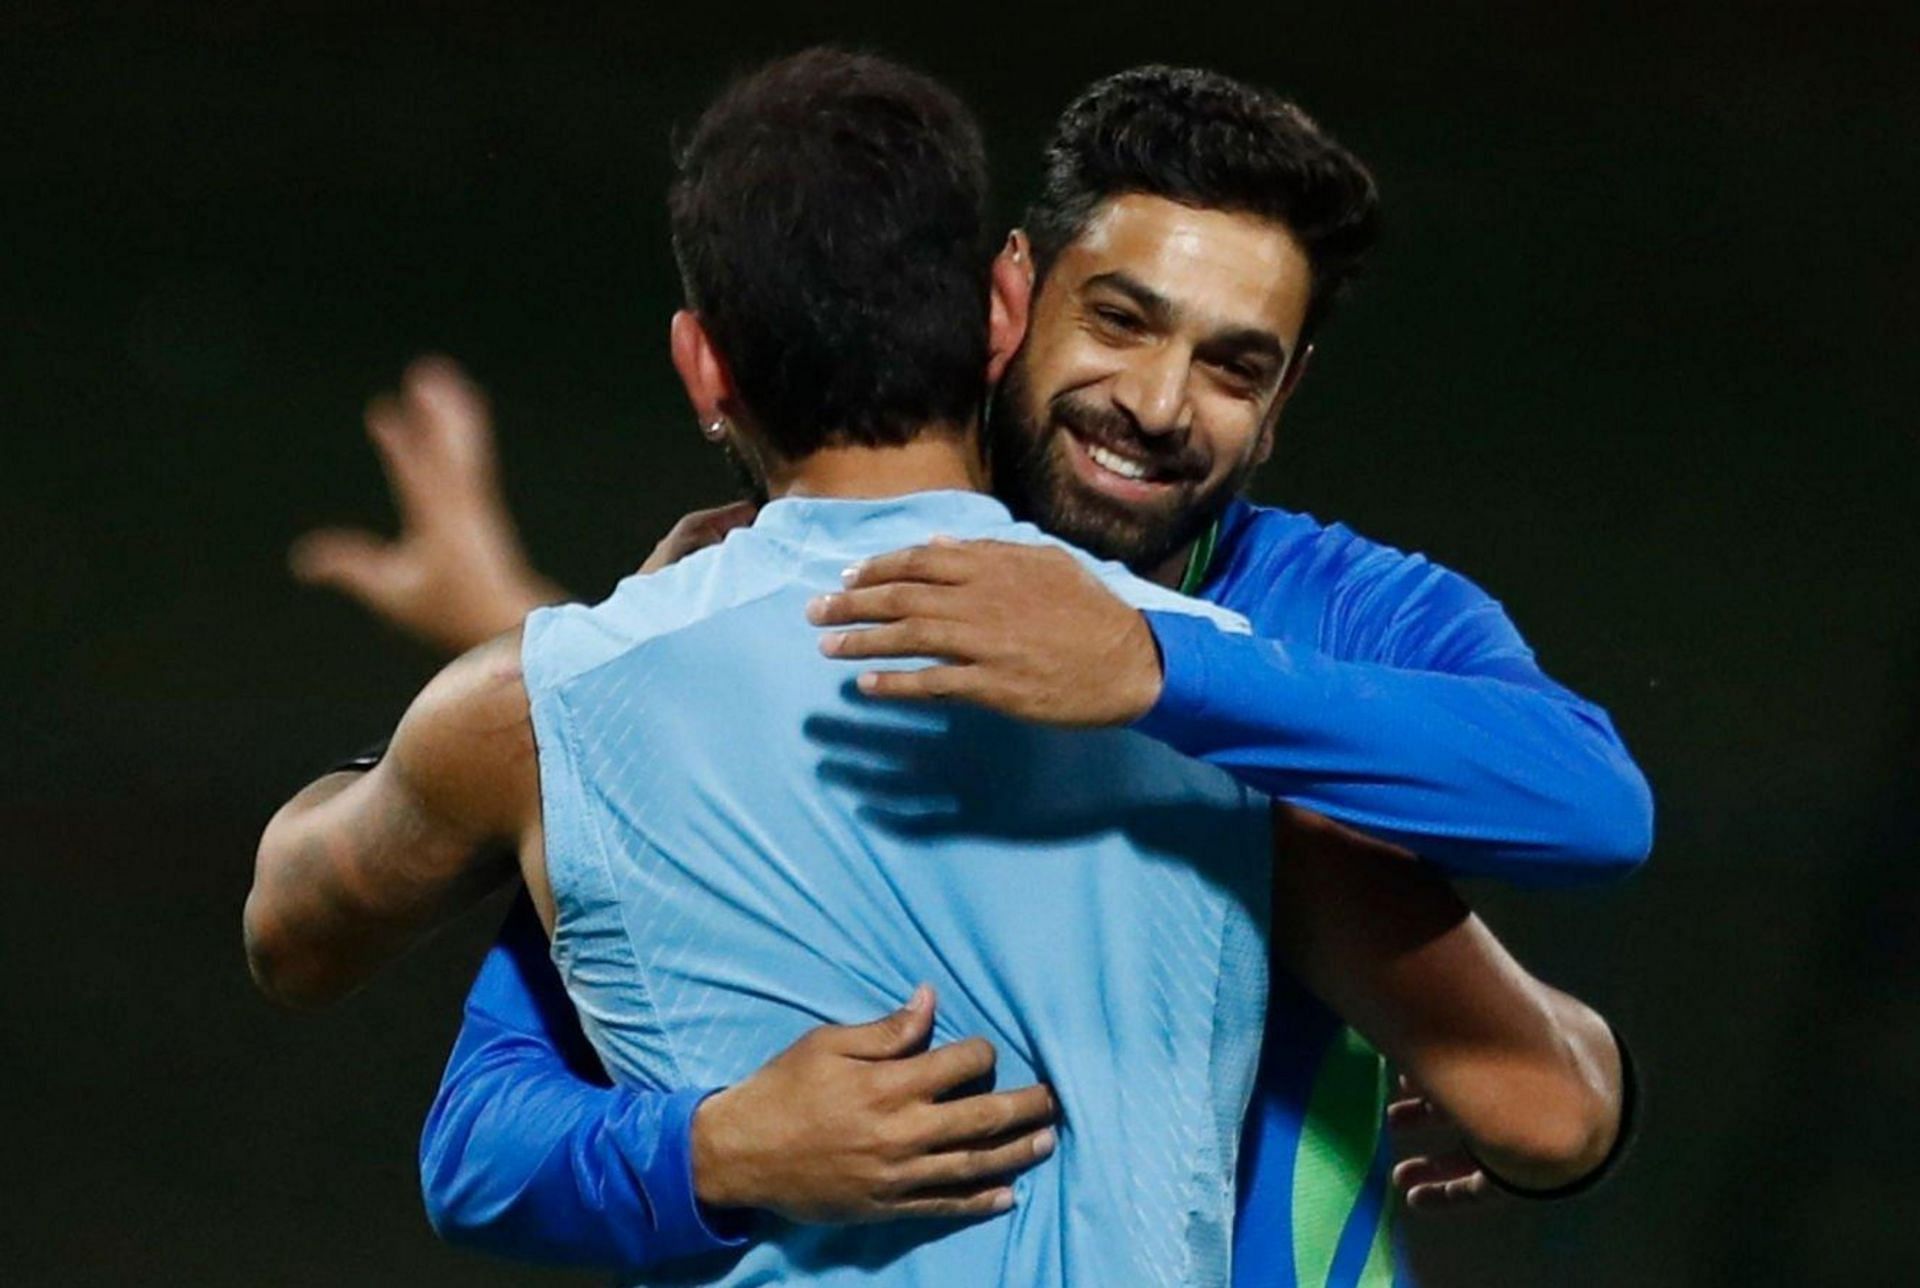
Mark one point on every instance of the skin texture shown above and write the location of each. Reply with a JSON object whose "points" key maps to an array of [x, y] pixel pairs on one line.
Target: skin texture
{"points": [[357, 867]]}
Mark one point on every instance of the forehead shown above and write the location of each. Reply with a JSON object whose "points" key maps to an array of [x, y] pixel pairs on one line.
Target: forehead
{"points": [[1222, 267]]}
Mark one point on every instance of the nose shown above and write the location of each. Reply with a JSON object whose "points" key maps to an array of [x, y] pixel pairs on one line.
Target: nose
{"points": [[1153, 390]]}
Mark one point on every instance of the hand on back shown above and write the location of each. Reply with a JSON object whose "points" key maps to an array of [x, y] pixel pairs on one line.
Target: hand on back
{"points": [[1024, 630], [854, 1123]]}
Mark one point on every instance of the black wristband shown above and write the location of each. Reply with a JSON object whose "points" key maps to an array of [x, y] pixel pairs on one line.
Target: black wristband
{"points": [[1622, 1138], [363, 761]]}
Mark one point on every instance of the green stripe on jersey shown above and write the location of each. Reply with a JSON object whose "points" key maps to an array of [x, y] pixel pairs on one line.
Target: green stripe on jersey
{"points": [[1344, 1115]]}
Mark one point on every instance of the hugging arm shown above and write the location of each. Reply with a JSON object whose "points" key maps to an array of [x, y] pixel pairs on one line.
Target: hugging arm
{"points": [[357, 866], [1416, 714], [1484, 770], [528, 1153], [1532, 1077]]}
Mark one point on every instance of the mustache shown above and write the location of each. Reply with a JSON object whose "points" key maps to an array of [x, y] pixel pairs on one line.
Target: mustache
{"points": [[1105, 427]]}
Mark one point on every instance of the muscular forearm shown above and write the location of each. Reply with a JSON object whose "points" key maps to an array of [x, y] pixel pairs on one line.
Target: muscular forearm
{"points": [[305, 918], [358, 865], [1531, 1075], [321, 919], [1482, 776], [1545, 1122]]}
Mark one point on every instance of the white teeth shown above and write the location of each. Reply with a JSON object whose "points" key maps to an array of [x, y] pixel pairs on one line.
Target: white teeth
{"points": [[1118, 464]]}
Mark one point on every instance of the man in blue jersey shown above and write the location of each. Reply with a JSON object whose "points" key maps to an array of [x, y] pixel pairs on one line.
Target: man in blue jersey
{"points": [[1129, 419]]}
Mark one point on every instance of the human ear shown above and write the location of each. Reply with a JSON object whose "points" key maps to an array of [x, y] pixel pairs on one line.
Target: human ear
{"points": [[1010, 296], [703, 371]]}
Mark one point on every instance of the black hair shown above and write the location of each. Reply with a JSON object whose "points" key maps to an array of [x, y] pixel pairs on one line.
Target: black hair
{"points": [[1209, 141], [829, 219]]}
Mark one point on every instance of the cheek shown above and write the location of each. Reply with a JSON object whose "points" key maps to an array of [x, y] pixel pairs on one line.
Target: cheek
{"points": [[1077, 365], [1232, 436]]}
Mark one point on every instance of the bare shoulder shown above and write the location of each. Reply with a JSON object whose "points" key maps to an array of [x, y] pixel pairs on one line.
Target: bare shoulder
{"points": [[466, 746]]}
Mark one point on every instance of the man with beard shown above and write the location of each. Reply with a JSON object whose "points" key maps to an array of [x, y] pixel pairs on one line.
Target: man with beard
{"points": [[1190, 239]]}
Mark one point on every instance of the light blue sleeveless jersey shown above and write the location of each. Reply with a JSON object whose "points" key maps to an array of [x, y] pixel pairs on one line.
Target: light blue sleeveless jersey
{"points": [[741, 847]]}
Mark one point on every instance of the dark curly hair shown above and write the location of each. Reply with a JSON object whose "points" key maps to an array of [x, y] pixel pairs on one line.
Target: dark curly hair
{"points": [[829, 220], [1206, 140]]}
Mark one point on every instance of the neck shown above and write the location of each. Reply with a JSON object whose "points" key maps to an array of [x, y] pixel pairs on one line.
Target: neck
{"points": [[939, 458], [1170, 572]]}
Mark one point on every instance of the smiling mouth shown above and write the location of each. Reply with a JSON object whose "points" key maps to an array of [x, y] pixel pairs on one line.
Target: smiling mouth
{"points": [[1115, 471]]}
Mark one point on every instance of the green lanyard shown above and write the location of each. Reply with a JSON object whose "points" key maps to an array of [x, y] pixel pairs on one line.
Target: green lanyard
{"points": [[1199, 558]]}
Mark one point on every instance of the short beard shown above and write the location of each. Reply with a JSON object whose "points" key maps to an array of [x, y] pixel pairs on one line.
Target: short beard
{"points": [[1031, 475]]}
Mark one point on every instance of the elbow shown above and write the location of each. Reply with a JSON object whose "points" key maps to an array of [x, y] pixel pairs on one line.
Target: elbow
{"points": [[455, 1196], [1556, 1146], [284, 968], [451, 1217], [283, 973], [1611, 834], [1559, 1120]]}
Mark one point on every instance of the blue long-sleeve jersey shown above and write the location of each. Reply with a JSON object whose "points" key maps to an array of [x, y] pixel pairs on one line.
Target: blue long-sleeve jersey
{"points": [[1378, 689]]}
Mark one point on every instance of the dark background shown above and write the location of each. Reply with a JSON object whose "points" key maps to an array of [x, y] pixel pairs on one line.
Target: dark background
{"points": [[1633, 355]]}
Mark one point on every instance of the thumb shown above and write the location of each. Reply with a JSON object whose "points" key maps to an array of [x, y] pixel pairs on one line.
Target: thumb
{"points": [[356, 563], [902, 1033]]}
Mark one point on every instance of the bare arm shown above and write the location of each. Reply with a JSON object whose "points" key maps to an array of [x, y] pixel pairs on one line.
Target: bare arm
{"points": [[357, 866], [1531, 1075]]}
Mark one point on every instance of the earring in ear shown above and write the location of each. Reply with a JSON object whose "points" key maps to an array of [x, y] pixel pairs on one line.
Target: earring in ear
{"points": [[714, 430]]}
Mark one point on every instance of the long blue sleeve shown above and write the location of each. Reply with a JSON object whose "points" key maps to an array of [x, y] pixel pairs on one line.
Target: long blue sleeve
{"points": [[528, 1154], [1396, 697]]}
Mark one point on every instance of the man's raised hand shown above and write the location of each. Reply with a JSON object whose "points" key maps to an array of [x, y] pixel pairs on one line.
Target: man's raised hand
{"points": [[851, 1123], [1021, 629], [456, 575]]}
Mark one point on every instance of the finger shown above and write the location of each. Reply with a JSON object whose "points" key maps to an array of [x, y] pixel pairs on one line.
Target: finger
{"points": [[1416, 1114], [887, 603], [717, 523], [925, 684], [916, 637], [901, 1033], [972, 1166], [451, 409], [941, 565], [397, 439], [697, 531], [729, 516], [1461, 1192], [989, 1116], [990, 1201], [1437, 1180], [946, 1067], [348, 560]]}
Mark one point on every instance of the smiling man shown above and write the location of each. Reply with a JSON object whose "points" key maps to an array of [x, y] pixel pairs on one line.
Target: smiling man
{"points": [[1165, 350], [1190, 239]]}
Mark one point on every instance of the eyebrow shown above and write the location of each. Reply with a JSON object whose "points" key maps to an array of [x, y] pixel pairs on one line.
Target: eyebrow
{"points": [[1162, 311]]}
